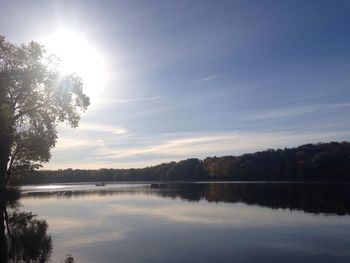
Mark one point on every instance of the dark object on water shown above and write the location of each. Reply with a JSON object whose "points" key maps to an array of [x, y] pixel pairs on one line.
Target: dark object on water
{"points": [[100, 184], [69, 259]]}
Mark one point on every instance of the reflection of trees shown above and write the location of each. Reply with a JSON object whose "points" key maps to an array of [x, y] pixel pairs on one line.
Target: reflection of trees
{"points": [[23, 237], [28, 239], [311, 198], [3, 240], [308, 197]]}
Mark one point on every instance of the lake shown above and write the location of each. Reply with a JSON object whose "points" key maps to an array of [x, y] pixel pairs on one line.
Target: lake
{"points": [[195, 222]]}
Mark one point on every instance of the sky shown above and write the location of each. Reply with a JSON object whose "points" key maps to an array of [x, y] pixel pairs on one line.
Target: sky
{"points": [[170, 80]]}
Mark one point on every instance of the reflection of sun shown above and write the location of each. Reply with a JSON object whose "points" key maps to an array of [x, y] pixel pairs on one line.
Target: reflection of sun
{"points": [[78, 56]]}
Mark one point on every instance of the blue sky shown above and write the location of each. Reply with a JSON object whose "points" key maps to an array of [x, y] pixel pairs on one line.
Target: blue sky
{"points": [[199, 78]]}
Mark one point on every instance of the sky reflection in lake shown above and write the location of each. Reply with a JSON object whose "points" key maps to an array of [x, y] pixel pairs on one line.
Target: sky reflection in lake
{"points": [[187, 222]]}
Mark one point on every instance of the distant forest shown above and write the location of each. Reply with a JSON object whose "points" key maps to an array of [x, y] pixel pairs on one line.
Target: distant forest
{"points": [[309, 162]]}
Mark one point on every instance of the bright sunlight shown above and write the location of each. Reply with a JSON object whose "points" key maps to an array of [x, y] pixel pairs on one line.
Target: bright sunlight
{"points": [[79, 56]]}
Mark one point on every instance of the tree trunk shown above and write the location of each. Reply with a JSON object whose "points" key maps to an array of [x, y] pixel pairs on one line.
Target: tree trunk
{"points": [[6, 137], [5, 151]]}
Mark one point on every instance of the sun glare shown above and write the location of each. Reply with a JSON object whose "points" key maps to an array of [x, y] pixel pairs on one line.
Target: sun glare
{"points": [[79, 56]]}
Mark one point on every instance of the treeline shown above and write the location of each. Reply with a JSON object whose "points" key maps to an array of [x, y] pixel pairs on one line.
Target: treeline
{"points": [[310, 162]]}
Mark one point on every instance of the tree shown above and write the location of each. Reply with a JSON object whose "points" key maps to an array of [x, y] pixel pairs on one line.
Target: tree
{"points": [[34, 98]]}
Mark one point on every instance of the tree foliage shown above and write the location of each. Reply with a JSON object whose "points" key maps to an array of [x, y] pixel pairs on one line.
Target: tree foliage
{"points": [[34, 98]]}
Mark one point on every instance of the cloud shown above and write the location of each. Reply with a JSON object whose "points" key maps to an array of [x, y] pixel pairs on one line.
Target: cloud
{"points": [[298, 110], [172, 146], [65, 143], [95, 127], [110, 102], [221, 143], [102, 128], [133, 99], [208, 78]]}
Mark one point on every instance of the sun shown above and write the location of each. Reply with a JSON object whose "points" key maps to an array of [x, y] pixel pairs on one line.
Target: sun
{"points": [[78, 55]]}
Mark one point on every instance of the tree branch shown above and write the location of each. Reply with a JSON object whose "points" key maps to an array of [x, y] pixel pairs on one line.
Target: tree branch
{"points": [[21, 113]]}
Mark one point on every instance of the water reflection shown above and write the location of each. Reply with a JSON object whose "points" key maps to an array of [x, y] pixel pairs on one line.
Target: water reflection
{"points": [[215, 222], [23, 237], [311, 198], [316, 198]]}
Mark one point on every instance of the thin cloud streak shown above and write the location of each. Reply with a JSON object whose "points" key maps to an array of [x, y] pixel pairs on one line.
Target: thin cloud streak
{"points": [[209, 78], [86, 126], [111, 102], [69, 143], [298, 110], [102, 128]]}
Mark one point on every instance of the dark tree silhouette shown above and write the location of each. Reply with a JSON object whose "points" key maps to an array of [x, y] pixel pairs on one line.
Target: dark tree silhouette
{"points": [[34, 98]]}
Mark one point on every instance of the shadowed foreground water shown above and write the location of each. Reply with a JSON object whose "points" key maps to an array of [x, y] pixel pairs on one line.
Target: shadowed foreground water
{"points": [[195, 222]]}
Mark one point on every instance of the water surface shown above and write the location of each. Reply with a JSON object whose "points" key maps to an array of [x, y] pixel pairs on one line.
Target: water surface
{"points": [[195, 222]]}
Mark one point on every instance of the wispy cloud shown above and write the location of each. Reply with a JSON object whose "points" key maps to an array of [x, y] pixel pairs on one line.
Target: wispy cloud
{"points": [[298, 110], [174, 147], [102, 128], [95, 127], [65, 143], [108, 102], [209, 78], [86, 135], [221, 143]]}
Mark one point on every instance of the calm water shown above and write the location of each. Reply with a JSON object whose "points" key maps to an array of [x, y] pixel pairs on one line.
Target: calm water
{"points": [[195, 222]]}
